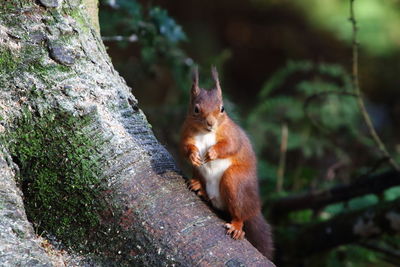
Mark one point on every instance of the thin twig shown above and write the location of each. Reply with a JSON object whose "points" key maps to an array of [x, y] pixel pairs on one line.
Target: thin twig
{"points": [[357, 90], [282, 159], [118, 38]]}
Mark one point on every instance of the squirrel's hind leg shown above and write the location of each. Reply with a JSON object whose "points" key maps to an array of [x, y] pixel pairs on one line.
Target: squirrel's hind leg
{"points": [[238, 188], [235, 229]]}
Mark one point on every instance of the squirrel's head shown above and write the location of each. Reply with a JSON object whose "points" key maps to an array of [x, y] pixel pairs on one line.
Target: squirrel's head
{"points": [[206, 108]]}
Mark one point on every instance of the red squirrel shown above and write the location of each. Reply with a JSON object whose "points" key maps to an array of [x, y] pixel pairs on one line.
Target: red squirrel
{"points": [[224, 165]]}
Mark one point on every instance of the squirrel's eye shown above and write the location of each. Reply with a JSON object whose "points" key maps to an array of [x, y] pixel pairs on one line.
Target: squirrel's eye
{"points": [[196, 110], [222, 109]]}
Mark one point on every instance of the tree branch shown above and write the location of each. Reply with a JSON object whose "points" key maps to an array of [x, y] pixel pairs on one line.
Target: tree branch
{"points": [[316, 200], [388, 252], [151, 218], [119, 38], [346, 228]]}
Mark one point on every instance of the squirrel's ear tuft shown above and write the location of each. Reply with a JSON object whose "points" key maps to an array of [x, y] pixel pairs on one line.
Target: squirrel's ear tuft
{"points": [[195, 85], [214, 74]]}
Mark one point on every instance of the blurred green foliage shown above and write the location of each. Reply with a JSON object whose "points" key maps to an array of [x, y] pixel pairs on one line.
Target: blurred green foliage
{"points": [[351, 256], [377, 20], [320, 112], [392, 193], [156, 32]]}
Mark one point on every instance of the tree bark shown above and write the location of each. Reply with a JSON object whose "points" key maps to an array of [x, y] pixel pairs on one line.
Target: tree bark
{"points": [[52, 59], [17, 237]]}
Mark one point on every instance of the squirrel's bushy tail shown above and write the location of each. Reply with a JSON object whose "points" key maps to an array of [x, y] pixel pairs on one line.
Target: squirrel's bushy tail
{"points": [[259, 234]]}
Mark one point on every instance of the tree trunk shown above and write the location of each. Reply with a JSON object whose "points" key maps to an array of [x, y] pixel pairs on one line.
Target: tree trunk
{"points": [[54, 74]]}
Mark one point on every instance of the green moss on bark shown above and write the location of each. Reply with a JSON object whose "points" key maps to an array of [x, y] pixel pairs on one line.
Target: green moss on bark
{"points": [[79, 16], [8, 62], [58, 157]]}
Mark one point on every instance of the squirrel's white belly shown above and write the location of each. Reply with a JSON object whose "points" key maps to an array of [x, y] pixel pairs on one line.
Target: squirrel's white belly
{"points": [[211, 171]]}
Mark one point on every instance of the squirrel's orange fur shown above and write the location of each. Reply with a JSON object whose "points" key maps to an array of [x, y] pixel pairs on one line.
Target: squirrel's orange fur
{"points": [[224, 165]]}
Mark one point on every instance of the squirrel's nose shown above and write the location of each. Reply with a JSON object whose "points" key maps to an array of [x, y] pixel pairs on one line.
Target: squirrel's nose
{"points": [[210, 122]]}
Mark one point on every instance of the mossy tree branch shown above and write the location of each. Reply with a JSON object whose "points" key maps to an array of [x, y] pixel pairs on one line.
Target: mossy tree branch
{"points": [[53, 61]]}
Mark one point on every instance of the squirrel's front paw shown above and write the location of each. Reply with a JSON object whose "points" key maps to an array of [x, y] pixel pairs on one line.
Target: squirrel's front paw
{"points": [[195, 159], [211, 154]]}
